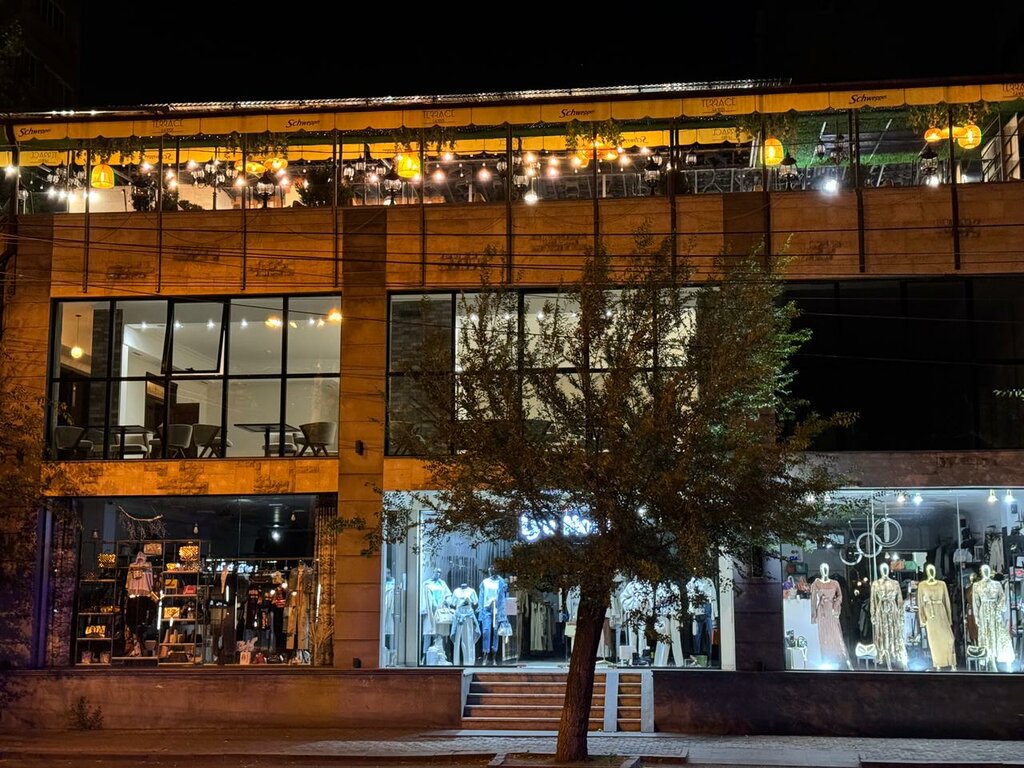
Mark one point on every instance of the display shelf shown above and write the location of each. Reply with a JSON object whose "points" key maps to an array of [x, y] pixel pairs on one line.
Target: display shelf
{"points": [[93, 639], [97, 613], [97, 581]]}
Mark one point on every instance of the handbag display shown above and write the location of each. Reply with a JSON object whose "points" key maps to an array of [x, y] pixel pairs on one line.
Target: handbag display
{"points": [[106, 560], [504, 629], [96, 630], [976, 652], [188, 554], [444, 615], [172, 612], [190, 589], [152, 548]]}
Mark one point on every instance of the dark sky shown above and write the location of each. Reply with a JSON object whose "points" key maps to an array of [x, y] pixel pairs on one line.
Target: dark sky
{"points": [[142, 52]]}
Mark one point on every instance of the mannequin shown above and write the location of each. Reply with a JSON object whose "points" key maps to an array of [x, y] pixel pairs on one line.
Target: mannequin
{"points": [[140, 577], [703, 610], [990, 604], [465, 630], [434, 593], [668, 601], [887, 620], [826, 601], [572, 609], [493, 593], [936, 616], [637, 601]]}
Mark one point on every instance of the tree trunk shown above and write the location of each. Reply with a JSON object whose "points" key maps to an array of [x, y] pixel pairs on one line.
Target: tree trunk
{"points": [[579, 687]]}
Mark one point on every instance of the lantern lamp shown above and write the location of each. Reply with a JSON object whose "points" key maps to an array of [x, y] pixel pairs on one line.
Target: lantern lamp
{"points": [[971, 138], [407, 165], [102, 176], [772, 152], [934, 134]]}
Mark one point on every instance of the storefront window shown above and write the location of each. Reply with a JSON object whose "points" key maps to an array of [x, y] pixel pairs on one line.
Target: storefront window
{"points": [[912, 581], [196, 379], [197, 580], [447, 603]]}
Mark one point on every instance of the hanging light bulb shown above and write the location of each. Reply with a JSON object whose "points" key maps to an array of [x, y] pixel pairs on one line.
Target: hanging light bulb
{"points": [[1008, 498], [530, 198], [917, 499], [901, 497], [992, 496], [77, 351], [195, 529]]}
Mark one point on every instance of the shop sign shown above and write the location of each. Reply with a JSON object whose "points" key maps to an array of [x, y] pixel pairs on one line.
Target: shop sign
{"points": [[571, 524]]}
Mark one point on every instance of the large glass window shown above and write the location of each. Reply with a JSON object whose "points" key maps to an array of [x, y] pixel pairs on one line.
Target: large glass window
{"points": [[926, 364], [196, 378], [199, 580], [909, 580], [446, 601]]}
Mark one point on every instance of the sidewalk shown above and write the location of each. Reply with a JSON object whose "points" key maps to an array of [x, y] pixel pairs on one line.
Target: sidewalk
{"points": [[480, 747]]}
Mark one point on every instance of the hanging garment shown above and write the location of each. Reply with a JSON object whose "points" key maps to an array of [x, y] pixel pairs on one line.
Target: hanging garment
{"points": [[826, 603], [389, 606], [493, 595], [972, 623], [990, 603], [936, 616], [997, 555], [140, 577], [887, 622], [433, 594]]}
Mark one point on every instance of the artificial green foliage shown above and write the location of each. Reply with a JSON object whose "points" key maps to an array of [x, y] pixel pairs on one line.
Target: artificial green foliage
{"points": [[658, 412]]}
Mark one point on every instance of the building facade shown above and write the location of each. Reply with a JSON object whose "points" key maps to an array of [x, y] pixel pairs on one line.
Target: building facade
{"points": [[230, 297]]}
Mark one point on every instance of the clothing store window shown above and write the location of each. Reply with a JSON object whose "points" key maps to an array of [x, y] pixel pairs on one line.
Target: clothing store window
{"points": [[198, 580], [445, 602], [913, 580]]}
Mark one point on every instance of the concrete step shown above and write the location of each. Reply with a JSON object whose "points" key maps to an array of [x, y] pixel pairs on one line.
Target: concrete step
{"points": [[519, 724], [540, 688], [521, 677], [629, 689], [517, 712], [550, 699]]}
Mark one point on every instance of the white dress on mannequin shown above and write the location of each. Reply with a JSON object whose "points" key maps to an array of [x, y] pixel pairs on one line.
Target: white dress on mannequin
{"points": [[668, 603]]}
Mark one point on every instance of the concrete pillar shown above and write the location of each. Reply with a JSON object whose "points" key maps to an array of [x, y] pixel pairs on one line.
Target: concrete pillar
{"points": [[361, 432]]}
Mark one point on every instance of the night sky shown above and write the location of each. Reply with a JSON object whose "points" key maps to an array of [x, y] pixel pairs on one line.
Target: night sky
{"points": [[142, 52]]}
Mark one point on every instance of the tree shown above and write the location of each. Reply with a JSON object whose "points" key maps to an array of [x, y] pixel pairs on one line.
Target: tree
{"points": [[640, 425], [28, 485]]}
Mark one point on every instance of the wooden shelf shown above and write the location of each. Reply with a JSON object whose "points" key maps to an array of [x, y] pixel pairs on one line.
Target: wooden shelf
{"points": [[94, 639]]}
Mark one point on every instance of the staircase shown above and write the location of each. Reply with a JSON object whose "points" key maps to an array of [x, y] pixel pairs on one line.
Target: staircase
{"points": [[532, 701], [523, 701]]}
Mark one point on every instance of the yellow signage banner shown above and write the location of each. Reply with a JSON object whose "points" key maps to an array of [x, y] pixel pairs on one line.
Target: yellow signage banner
{"points": [[215, 126], [304, 122], [119, 129], [428, 117], [963, 94], [45, 157], [924, 96], [167, 126], [360, 121], [520, 114], [563, 113], [801, 102], [658, 109], [41, 132], [860, 99], [709, 106], [1002, 92]]}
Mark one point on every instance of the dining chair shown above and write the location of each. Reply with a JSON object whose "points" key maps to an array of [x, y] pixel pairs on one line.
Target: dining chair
{"points": [[134, 445], [179, 440], [68, 442], [208, 440], [317, 436]]}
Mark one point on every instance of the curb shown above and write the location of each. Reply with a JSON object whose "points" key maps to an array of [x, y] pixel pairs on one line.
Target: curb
{"points": [[287, 758]]}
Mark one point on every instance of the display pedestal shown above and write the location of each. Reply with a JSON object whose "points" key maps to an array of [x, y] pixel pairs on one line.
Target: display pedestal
{"points": [[797, 617]]}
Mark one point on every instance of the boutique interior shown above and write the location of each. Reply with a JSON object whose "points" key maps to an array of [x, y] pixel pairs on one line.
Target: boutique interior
{"points": [[445, 603], [910, 581], [196, 580]]}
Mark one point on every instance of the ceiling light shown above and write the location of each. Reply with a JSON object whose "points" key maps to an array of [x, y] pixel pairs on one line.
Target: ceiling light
{"points": [[334, 315], [294, 517], [991, 496], [209, 324], [195, 529], [275, 535], [1008, 498], [77, 351], [439, 176], [244, 323], [273, 322], [831, 186], [901, 497], [530, 198], [11, 169], [917, 499], [483, 174], [311, 321]]}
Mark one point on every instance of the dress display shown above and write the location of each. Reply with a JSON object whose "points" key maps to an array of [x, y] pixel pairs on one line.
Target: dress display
{"points": [[140, 577], [887, 623], [936, 617], [433, 594], [493, 594], [826, 603], [990, 602], [465, 628], [668, 603]]}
